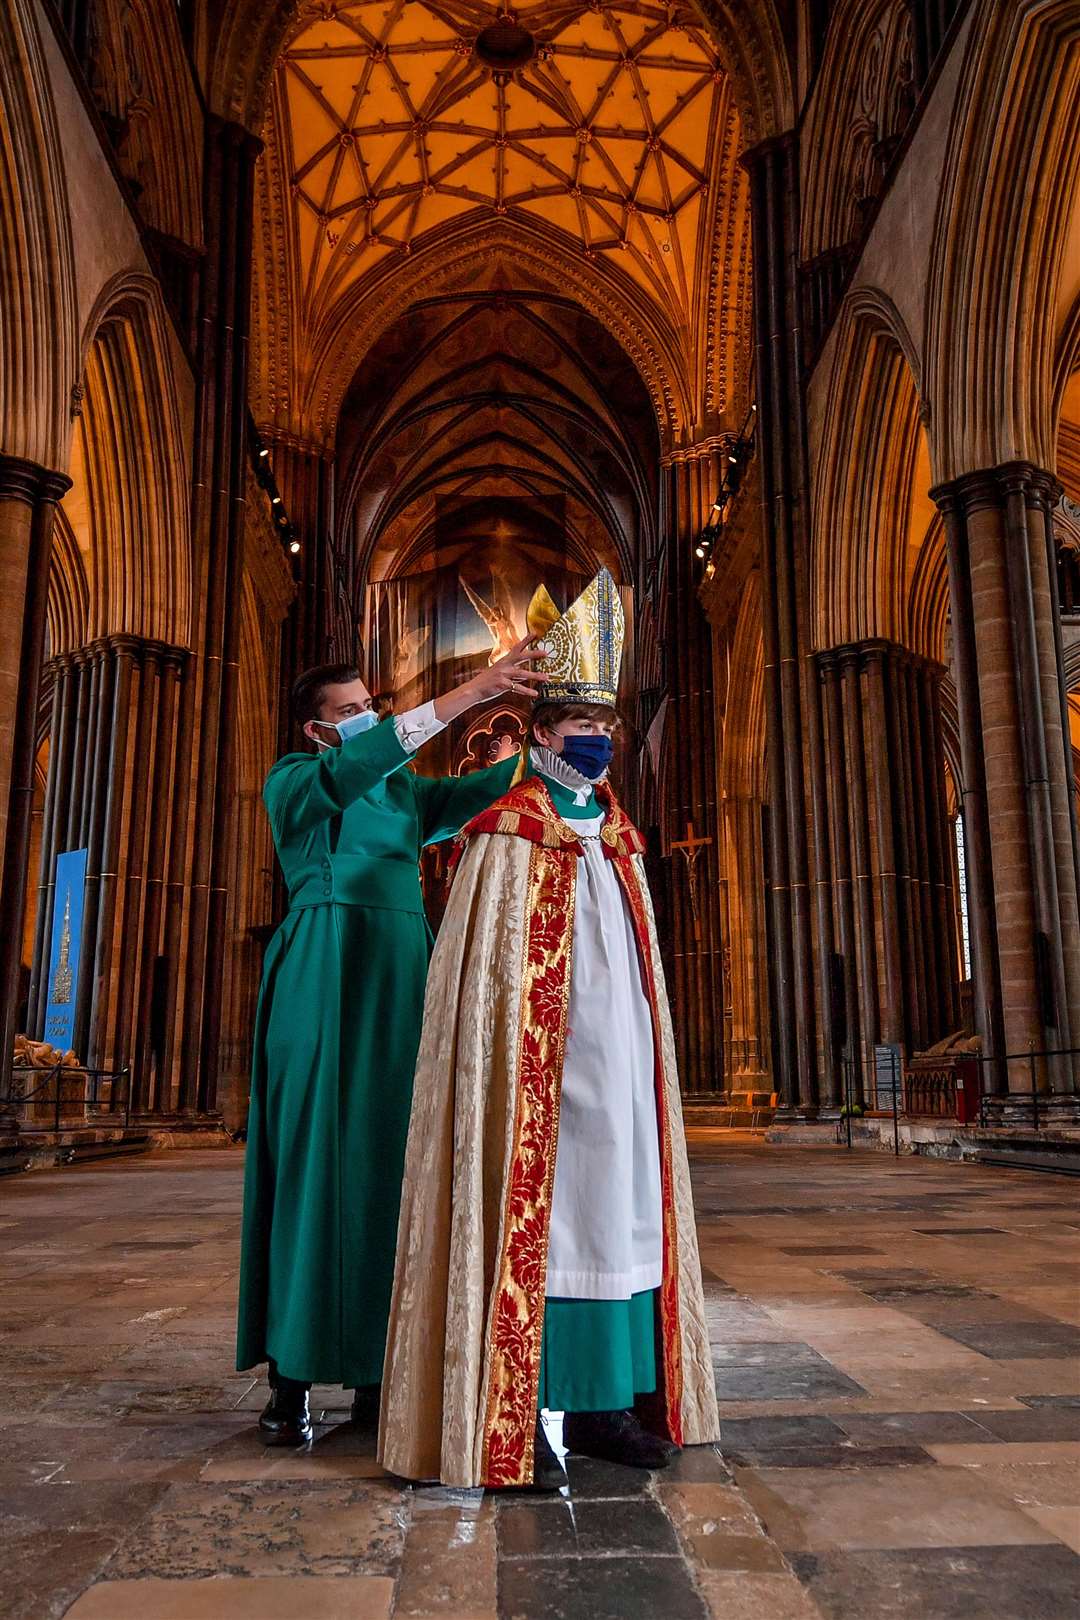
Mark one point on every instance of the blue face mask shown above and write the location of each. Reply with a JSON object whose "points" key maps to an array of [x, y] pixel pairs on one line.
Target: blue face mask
{"points": [[352, 726], [366, 720], [589, 756]]}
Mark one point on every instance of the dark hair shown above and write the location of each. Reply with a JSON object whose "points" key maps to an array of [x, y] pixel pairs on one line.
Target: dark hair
{"points": [[310, 687], [548, 713]]}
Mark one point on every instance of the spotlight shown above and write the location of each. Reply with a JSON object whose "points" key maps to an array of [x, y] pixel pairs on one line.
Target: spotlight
{"points": [[264, 451], [734, 460], [717, 506], [294, 546], [753, 407], [701, 551], [275, 500]]}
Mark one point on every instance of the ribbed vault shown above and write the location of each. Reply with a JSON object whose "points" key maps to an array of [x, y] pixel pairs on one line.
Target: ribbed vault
{"points": [[592, 146], [497, 397]]}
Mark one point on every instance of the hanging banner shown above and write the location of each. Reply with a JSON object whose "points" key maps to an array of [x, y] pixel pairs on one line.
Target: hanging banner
{"points": [[64, 949]]}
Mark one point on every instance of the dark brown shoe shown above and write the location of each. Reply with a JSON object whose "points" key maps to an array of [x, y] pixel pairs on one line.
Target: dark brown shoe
{"points": [[616, 1437]]}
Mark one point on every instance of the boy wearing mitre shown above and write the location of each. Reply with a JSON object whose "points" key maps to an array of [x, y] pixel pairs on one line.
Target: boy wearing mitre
{"points": [[547, 1257]]}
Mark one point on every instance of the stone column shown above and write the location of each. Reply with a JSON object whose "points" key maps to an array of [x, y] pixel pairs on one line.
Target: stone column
{"points": [[801, 923], [747, 1054], [28, 499], [113, 772], [892, 887], [1019, 823], [197, 898], [698, 991]]}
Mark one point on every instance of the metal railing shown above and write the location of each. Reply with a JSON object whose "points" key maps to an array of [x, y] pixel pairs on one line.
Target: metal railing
{"points": [[1039, 1096], [930, 1089], [78, 1097]]}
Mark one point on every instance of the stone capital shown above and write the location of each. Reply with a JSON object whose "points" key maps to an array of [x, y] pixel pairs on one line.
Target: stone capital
{"points": [[991, 487], [28, 481]]}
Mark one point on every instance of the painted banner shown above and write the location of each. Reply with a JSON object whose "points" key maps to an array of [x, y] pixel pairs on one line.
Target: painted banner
{"points": [[65, 946]]}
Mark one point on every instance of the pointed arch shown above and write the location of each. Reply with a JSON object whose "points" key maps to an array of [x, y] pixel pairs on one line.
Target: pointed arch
{"points": [[127, 509], [872, 513], [1007, 203], [38, 322]]}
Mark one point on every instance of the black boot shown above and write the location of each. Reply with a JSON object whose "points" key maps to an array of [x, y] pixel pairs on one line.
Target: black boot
{"points": [[286, 1418], [548, 1471], [365, 1407], [615, 1437]]}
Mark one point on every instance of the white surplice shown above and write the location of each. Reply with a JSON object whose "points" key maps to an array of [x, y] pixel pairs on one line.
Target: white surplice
{"points": [[606, 1232]]}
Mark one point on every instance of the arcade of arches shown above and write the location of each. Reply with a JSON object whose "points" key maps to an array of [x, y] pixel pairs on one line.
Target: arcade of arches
{"points": [[327, 329]]}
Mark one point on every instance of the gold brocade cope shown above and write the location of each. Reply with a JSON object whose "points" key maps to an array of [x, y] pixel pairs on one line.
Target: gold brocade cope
{"points": [[584, 644], [462, 1367]]}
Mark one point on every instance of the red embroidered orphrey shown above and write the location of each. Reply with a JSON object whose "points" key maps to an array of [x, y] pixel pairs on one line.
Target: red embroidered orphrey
{"points": [[517, 1306]]}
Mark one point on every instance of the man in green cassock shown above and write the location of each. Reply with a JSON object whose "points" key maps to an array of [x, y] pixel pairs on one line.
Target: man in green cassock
{"points": [[337, 1030]]}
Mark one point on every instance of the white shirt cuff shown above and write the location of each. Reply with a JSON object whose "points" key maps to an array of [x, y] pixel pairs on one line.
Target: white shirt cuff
{"points": [[418, 726]]}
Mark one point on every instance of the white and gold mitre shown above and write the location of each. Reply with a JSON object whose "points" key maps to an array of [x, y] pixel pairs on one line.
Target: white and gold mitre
{"points": [[584, 644]]}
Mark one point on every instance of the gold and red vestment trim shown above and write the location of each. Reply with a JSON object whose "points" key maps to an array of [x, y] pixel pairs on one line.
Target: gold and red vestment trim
{"points": [[516, 1320]]}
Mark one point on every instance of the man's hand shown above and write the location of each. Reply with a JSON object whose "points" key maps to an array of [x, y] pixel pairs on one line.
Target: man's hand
{"points": [[514, 673]]}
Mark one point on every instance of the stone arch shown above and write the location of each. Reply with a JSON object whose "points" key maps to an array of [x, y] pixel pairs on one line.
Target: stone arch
{"points": [[1004, 217], [127, 509], [68, 621], [38, 323], [465, 257], [863, 99], [143, 86], [872, 459]]}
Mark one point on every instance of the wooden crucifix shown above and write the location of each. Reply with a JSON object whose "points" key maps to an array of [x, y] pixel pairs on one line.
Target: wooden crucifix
{"points": [[691, 847]]}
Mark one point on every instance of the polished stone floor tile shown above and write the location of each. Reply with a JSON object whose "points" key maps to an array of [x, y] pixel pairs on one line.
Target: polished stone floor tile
{"points": [[810, 1509], [1041, 1423], [742, 1433], [267, 1529], [946, 1583], [755, 1596], [783, 1383], [564, 1529], [861, 1425], [1016, 1341], [590, 1478], [890, 1428], [365, 1597], [827, 1248], [450, 1566], [598, 1589]]}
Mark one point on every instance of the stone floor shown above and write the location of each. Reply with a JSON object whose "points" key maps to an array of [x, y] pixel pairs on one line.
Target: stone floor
{"points": [[896, 1348]]}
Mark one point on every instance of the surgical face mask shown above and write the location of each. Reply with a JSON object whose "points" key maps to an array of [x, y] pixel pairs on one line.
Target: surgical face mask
{"points": [[351, 726], [589, 756]]}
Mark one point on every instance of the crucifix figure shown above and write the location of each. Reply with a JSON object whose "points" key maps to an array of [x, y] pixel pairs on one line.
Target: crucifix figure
{"points": [[691, 847]]}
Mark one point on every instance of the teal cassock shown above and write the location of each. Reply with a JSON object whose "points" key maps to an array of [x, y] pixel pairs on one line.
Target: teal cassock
{"points": [[336, 1036]]}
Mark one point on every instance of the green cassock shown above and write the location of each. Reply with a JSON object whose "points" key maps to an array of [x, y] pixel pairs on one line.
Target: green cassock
{"points": [[336, 1037]]}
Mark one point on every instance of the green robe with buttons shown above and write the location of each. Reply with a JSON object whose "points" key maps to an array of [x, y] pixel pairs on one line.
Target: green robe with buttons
{"points": [[336, 1037]]}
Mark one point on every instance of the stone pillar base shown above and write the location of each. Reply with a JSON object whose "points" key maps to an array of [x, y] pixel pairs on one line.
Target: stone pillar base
{"points": [[1049, 1112]]}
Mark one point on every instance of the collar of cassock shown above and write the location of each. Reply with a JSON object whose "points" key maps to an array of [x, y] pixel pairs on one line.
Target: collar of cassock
{"points": [[553, 766]]}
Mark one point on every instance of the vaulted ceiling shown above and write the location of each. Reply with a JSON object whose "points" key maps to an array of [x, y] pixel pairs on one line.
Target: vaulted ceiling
{"points": [[606, 130], [496, 395]]}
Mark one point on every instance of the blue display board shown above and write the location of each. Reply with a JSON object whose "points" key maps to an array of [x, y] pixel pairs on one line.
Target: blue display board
{"points": [[65, 947]]}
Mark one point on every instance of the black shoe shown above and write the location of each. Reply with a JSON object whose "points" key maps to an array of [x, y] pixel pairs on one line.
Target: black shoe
{"points": [[548, 1472], [365, 1407], [616, 1437], [286, 1418]]}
